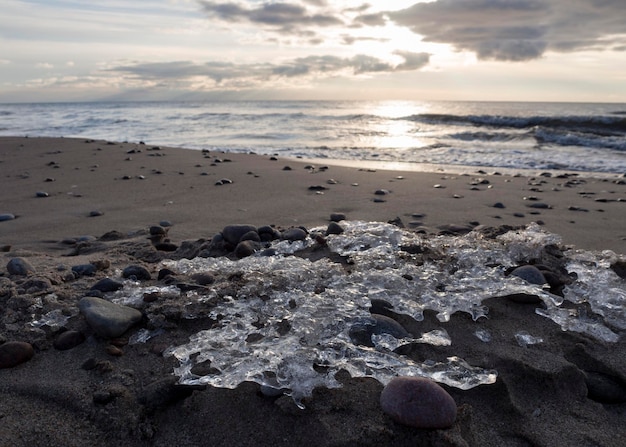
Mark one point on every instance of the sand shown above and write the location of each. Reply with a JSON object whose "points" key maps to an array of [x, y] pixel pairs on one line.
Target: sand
{"points": [[61, 190]]}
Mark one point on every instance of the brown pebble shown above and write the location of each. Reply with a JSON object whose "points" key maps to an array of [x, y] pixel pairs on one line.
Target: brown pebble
{"points": [[68, 340], [418, 402], [13, 353], [114, 351]]}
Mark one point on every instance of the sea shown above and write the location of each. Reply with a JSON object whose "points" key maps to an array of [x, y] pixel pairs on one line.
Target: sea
{"points": [[411, 135]]}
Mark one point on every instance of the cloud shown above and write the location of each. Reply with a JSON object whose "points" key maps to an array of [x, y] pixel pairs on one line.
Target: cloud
{"points": [[518, 30], [231, 75], [282, 15]]}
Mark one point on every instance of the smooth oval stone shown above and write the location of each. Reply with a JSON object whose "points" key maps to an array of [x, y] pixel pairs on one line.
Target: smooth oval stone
{"points": [[245, 249], [418, 402], [137, 271], [107, 285], [6, 216], [108, 319], [233, 233], [20, 267], [13, 353], [68, 340], [530, 273], [204, 279], [361, 332], [42, 194], [268, 233], [294, 234], [337, 217]]}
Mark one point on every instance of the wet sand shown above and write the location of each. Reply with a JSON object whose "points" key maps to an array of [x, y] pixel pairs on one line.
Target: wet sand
{"points": [[62, 190]]}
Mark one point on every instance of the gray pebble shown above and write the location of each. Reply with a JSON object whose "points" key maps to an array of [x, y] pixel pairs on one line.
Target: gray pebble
{"points": [[108, 319], [138, 272], [6, 216], [294, 234], [530, 273], [20, 267]]}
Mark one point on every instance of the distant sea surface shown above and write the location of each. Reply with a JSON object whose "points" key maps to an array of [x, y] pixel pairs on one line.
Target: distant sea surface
{"points": [[589, 138]]}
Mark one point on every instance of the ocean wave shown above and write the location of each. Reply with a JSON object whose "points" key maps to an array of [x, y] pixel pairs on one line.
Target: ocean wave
{"points": [[602, 125]]}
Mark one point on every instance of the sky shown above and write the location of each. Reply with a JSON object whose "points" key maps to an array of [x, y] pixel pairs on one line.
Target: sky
{"points": [[491, 50]]}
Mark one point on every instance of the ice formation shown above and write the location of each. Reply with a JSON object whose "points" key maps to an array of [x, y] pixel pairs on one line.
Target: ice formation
{"points": [[287, 324]]}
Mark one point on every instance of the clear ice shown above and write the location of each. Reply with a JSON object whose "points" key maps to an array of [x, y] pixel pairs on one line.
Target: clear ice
{"points": [[287, 325]]}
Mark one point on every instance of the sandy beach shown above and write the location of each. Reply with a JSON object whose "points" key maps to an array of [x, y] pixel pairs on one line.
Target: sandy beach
{"points": [[70, 202]]}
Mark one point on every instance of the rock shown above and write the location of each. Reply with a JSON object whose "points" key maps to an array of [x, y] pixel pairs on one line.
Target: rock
{"points": [[381, 192], [204, 279], [499, 205], [108, 319], [107, 285], [337, 217], [6, 216], [251, 236], [268, 233], [418, 402], [233, 233], [334, 228], [42, 194], [13, 353], [138, 272], [84, 270], [294, 234], [245, 249], [361, 332], [530, 274], [20, 267], [68, 340]]}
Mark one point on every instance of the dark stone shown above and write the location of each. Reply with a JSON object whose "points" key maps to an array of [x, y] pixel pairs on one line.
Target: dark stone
{"points": [[6, 216], [166, 246], [233, 233], [42, 194], [318, 188], [337, 217], [68, 340], [294, 234], [530, 274], [334, 228], [84, 270], [13, 353], [203, 279], [381, 192], [107, 285], [137, 271], [499, 205], [251, 236], [246, 248], [20, 267], [361, 332], [268, 233], [619, 268], [157, 230], [418, 402]]}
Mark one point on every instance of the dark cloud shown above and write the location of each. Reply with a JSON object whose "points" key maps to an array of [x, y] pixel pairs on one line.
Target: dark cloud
{"points": [[518, 30], [227, 74], [281, 15]]}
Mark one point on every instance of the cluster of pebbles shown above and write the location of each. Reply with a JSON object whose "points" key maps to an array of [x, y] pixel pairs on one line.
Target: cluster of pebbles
{"points": [[39, 310]]}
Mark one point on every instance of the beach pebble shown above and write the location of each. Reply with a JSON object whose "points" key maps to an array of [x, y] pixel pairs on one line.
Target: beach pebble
{"points": [[245, 249], [6, 216], [268, 233], [68, 340], [337, 217], [42, 194], [136, 271], [95, 213], [233, 233], [418, 402], [84, 270], [108, 319], [13, 353], [294, 234], [251, 236], [20, 267], [334, 228], [107, 285], [530, 273], [499, 205], [361, 332], [381, 192]]}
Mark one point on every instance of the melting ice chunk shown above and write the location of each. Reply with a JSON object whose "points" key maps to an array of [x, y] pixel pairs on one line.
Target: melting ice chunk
{"points": [[296, 337]]}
